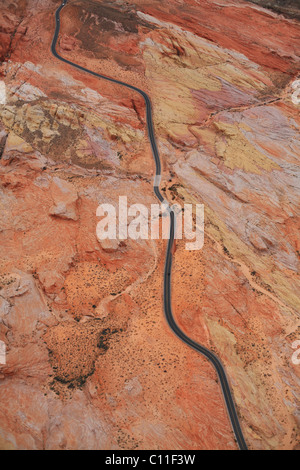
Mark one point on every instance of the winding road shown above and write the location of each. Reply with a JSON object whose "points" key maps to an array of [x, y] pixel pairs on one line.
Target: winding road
{"points": [[215, 361]]}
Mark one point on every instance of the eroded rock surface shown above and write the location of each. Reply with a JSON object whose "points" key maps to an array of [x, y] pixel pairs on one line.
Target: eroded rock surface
{"points": [[90, 360]]}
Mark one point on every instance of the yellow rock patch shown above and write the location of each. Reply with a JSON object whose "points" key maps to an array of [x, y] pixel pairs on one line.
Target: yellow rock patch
{"points": [[14, 142]]}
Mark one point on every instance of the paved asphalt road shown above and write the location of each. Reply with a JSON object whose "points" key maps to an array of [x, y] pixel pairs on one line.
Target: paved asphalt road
{"points": [[168, 266]]}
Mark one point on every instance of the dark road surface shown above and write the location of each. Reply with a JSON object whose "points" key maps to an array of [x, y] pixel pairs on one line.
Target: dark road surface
{"points": [[168, 265]]}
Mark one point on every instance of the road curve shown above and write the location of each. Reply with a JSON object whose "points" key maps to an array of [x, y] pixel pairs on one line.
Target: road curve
{"points": [[215, 361]]}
